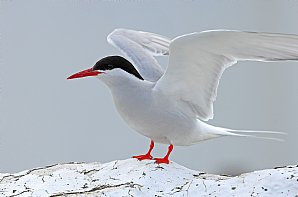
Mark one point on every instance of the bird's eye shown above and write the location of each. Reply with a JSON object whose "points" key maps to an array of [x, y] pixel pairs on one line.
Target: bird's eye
{"points": [[109, 66]]}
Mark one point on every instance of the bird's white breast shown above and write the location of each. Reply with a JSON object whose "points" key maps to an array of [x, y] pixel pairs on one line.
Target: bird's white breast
{"points": [[150, 113]]}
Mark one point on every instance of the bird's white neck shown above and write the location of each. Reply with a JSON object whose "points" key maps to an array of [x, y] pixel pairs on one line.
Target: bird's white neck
{"points": [[121, 81]]}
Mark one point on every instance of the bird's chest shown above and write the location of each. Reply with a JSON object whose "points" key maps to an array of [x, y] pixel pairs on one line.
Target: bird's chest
{"points": [[135, 109], [151, 115]]}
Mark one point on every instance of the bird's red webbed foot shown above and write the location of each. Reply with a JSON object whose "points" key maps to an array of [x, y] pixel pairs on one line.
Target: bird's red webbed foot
{"points": [[166, 158], [147, 155], [162, 160], [143, 157]]}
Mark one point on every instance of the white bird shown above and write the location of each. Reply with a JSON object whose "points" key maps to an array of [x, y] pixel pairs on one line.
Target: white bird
{"points": [[169, 106]]}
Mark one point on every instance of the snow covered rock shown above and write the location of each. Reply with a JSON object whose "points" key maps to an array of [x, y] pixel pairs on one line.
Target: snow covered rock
{"points": [[145, 178]]}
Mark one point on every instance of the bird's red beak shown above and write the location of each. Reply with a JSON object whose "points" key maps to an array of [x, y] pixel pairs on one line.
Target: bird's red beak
{"points": [[85, 73]]}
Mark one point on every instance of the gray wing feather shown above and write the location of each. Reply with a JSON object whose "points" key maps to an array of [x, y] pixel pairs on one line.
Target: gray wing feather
{"points": [[198, 60], [141, 47]]}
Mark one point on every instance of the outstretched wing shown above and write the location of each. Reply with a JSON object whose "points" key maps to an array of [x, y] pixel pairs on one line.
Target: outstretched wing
{"points": [[198, 60], [140, 47]]}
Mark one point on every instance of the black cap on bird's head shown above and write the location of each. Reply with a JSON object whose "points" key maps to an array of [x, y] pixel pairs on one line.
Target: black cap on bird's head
{"points": [[106, 64]]}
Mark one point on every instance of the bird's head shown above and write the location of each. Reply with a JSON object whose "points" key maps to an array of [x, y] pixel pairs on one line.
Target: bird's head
{"points": [[110, 68]]}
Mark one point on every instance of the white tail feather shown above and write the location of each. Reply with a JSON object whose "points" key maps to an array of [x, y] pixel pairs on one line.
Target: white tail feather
{"points": [[219, 131], [236, 133], [262, 132]]}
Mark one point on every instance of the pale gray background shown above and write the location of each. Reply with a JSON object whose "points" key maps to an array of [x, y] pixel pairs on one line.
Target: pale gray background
{"points": [[45, 119]]}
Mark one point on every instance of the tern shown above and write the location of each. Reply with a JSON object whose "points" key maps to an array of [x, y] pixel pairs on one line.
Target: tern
{"points": [[172, 106]]}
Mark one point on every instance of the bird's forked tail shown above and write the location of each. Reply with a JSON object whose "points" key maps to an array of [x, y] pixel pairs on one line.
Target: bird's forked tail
{"points": [[219, 131]]}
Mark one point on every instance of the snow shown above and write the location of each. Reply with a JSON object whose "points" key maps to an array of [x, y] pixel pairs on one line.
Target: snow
{"points": [[145, 178]]}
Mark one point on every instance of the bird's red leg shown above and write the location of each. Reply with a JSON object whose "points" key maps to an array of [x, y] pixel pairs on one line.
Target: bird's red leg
{"points": [[166, 158], [147, 155]]}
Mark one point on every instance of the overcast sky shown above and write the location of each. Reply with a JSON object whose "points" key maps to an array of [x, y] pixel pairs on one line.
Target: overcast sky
{"points": [[45, 119]]}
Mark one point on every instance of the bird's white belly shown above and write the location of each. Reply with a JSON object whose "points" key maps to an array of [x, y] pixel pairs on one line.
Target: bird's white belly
{"points": [[158, 119]]}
